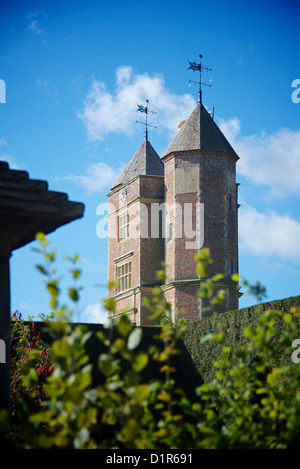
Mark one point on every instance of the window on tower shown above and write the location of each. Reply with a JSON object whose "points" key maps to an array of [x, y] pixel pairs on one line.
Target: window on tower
{"points": [[124, 226], [124, 276]]}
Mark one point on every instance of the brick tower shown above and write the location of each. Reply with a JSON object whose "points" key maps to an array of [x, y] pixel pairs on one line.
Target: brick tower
{"points": [[135, 247], [201, 201], [166, 209]]}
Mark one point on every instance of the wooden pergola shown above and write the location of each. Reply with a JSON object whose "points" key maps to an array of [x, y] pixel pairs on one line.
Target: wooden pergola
{"points": [[26, 208]]}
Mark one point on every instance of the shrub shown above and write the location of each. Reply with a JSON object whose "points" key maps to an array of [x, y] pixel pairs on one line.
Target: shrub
{"points": [[232, 325], [31, 365], [252, 402]]}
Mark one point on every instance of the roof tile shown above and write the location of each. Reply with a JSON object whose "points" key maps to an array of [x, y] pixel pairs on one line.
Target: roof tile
{"points": [[145, 161], [199, 132]]}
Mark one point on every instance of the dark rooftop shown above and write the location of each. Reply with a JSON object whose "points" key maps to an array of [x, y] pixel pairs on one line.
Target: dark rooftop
{"points": [[27, 207], [144, 162], [200, 132]]}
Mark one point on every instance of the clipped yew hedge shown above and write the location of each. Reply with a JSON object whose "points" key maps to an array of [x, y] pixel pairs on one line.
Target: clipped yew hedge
{"points": [[232, 325]]}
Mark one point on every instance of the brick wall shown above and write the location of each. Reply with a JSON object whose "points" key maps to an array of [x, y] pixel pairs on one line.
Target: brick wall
{"points": [[145, 252], [208, 178], [191, 178]]}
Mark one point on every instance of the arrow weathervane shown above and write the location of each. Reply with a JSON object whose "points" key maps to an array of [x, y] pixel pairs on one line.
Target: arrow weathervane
{"points": [[200, 67], [145, 110]]}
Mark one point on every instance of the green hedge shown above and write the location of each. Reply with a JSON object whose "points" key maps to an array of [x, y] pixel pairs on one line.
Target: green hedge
{"points": [[232, 324]]}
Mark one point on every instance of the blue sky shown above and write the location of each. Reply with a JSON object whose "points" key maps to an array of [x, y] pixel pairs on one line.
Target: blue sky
{"points": [[74, 72]]}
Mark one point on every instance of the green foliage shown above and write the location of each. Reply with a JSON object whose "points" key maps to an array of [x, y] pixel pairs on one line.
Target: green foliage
{"points": [[124, 411], [252, 401], [256, 405], [232, 324]]}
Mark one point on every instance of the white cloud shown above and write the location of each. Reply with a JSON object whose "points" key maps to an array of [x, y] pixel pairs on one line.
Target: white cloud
{"points": [[8, 157], [269, 234], [95, 313], [271, 160], [105, 112], [48, 89], [98, 176], [33, 26], [12, 161], [28, 306], [34, 21], [93, 266]]}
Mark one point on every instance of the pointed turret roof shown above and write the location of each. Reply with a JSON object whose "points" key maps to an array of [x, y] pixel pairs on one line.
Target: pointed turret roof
{"points": [[145, 161], [200, 132]]}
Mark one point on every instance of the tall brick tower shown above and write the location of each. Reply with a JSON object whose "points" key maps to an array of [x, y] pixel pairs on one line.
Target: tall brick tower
{"points": [[135, 247], [201, 201], [193, 186]]}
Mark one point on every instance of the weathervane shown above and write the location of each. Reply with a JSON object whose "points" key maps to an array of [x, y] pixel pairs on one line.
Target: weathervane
{"points": [[200, 67], [145, 110]]}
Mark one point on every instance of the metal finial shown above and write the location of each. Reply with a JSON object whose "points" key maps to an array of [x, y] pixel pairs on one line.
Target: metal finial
{"points": [[200, 67], [145, 110]]}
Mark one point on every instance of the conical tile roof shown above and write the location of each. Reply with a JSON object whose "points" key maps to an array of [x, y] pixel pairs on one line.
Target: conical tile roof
{"points": [[200, 132], [145, 161]]}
